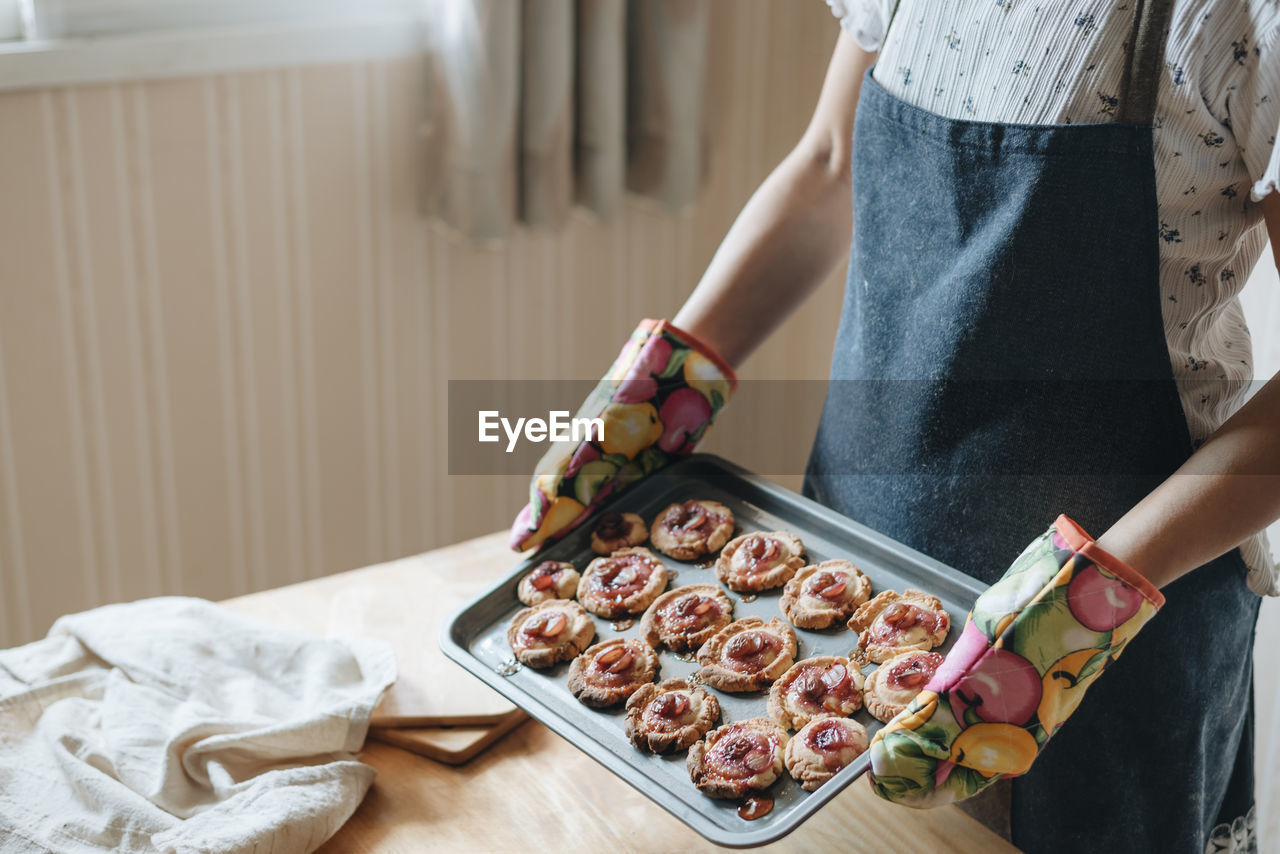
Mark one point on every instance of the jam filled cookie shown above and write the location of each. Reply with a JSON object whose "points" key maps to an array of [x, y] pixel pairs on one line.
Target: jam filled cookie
{"points": [[551, 579], [822, 748], [821, 595], [610, 672], [738, 758], [685, 618], [816, 687], [760, 560], [896, 682], [668, 717], [747, 655], [898, 622], [622, 584], [690, 530], [618, 531], [551, 632]]}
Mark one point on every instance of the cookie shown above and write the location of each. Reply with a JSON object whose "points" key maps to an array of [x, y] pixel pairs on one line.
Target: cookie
{"points": [[622, 584], [611, 671], [738, 758], [760, 560], [550, 632], [816, 687], [747, 655], [822, 748], [819, 596], [685, 618], [897, 681], [692, 529], [551, 579], [670, 716], [898, 622], [618, 531]]}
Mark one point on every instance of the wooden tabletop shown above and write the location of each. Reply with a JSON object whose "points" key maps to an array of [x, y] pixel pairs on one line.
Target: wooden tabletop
{"points": [[533, 791]]}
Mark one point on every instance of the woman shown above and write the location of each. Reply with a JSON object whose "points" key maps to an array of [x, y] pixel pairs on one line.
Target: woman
{"points": [[1053, 211]]}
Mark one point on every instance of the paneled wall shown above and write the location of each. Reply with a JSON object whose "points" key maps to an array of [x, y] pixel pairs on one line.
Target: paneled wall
{"points": [[226, 332]]}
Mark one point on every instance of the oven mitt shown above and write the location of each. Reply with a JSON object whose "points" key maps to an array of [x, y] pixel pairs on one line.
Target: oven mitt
{"points": [[656, 402], [1033, 644]]}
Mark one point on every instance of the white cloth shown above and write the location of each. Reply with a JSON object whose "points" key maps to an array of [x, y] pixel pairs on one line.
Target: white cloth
{"points": [[1218, 110], [174, 725]]}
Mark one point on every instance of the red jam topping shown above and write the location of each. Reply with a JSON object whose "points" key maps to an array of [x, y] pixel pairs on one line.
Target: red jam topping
{"points": [[827, 585], [544, 626], [808, 685], [756, 806], [544, 574], [901, 616], [826, 687], [622, 576], [614, 665], [829, 736], [691, 516], [831, 740], [751, 650], [611, 527], [758, 553], [670, 706], [914, 673], [690, 612], [741, 753]]}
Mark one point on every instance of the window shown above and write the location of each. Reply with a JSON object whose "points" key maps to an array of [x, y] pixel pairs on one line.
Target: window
{"points": [[60, 42], [57, 19], [10, 21]]}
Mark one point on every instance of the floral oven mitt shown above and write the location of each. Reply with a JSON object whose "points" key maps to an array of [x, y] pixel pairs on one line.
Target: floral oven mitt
{"points": [[1031, 647], [656, 402]]}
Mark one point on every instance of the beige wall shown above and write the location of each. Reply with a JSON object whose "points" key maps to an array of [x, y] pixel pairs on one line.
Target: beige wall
{"points": [[225, 332]]}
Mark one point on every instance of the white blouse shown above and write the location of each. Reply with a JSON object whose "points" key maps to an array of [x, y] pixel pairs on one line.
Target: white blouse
{"points": [[1218, 110]]}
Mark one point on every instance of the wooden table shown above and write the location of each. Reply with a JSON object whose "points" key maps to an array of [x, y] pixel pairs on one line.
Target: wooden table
{"points": [[535, 792]]}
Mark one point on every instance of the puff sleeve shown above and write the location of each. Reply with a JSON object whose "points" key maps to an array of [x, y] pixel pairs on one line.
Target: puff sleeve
{"points": [[866, 20]]}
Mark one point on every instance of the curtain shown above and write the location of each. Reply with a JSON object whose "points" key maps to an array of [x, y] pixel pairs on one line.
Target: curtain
{"points": [[537, 105]]}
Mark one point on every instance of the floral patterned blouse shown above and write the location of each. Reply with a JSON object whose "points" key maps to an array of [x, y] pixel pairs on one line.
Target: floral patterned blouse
{"points": [[1218, 111]]}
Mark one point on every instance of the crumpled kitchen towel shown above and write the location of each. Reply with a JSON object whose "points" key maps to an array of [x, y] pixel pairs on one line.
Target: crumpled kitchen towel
{"points": [[174, 725]]}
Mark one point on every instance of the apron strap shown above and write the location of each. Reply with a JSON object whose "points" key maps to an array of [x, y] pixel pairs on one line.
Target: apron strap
{"points": [[1140, 84], [889, 23]]}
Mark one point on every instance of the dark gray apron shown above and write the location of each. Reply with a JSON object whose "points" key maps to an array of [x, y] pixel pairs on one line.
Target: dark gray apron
{"points": [[1001, 358]]}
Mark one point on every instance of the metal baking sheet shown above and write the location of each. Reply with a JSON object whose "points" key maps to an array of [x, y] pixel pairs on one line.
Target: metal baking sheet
{"points": [[476, 639]]}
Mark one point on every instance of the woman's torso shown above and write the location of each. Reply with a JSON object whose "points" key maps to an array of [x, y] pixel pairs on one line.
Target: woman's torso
{"points": [[1025, 62]]}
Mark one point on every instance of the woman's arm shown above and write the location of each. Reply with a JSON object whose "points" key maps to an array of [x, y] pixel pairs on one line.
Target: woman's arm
{"points": [[1227, 491], [791, 234]]}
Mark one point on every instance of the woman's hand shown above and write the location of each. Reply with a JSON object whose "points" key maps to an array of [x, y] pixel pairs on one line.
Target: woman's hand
{"points": [[654, 405], [1031, 647]]}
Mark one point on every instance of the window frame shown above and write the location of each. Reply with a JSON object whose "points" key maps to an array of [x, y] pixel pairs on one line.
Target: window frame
{"points": [[68, 42]]}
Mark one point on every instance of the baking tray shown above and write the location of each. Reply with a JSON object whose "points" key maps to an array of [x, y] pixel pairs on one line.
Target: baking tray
{"points": [[476, 638]]}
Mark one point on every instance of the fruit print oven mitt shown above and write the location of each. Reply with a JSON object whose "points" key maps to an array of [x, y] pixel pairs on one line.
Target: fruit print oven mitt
{"points": [[656, 402], [1033, 644]]}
